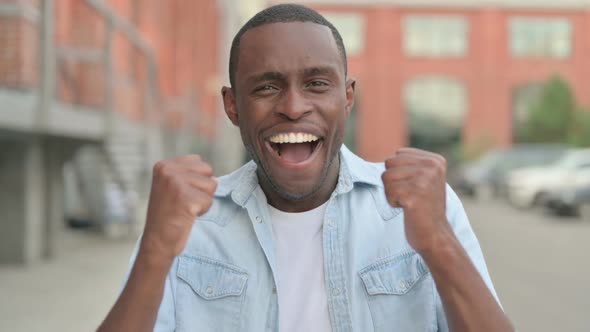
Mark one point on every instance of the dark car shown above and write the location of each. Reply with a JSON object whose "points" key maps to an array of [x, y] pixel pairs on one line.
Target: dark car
{"points": [[485, 177], [569, 201]]}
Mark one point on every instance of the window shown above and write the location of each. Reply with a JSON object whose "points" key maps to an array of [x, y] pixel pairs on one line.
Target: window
{"points": [[436, 107], [435, 36], [352, 29], [437, 97], [540, 37]]}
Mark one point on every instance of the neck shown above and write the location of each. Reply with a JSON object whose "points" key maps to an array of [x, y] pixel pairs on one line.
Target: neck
{"points": [[308, 202]]}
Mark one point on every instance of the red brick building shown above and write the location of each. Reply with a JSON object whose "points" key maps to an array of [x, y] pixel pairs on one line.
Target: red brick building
{"points": [[182, 37], [469, 62], [140, 79], [106, 87]]}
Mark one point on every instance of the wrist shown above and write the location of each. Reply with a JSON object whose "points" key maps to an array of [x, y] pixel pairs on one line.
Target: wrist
{"points": [[443, 248], [149, 256]]}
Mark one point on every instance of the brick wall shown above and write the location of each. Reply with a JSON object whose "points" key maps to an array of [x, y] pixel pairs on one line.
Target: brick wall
{"points": [[18, 46], [183, 36], [488, 73]]}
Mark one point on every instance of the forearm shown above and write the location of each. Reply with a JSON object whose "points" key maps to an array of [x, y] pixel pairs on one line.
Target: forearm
{"points": [[468, 303], [137, 307]]}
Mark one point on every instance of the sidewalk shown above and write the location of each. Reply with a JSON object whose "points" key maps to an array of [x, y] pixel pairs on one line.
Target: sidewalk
{"points": [[71, 293]]}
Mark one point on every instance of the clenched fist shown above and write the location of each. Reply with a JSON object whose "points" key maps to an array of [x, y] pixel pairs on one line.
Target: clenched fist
{"points": [[415, 180], [182, 189]]}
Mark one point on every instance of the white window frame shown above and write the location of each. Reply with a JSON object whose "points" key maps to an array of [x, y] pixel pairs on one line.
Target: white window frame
{"points": [[524, 45], [433, 27], [451, 95], [352, 29]]}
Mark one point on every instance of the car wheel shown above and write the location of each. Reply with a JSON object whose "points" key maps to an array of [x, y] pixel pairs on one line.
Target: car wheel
{"points": [[585, 211], [568, 211], [539, 200]]}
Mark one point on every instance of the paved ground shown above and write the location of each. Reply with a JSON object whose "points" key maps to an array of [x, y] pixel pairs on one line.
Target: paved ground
{"points": [[72, 293], [540, 266]]}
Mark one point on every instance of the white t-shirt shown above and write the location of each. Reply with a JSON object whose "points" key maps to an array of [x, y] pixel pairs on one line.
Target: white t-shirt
{"points": [[301, 288]]}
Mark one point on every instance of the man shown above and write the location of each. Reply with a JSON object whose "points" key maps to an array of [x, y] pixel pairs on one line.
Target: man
{"points": [[307, 236]]}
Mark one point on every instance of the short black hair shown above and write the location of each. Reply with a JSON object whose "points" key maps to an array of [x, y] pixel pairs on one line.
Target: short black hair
{"points": [[282, 13]]}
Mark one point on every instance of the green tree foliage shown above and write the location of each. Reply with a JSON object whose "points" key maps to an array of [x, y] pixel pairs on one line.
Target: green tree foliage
{"points": [[579, 133], [551, 116]]}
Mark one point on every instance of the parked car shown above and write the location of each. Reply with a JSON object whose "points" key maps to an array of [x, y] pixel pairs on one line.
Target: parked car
{"points": [[485, 177], [532, 186], [584, 203], [571, 201]]}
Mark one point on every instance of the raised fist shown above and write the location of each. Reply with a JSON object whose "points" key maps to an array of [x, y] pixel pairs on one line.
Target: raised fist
{"points": [[415, 180], [182, 190]]}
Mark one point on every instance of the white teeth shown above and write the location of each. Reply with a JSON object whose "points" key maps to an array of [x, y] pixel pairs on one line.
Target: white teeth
{"points": [[293, 138]]}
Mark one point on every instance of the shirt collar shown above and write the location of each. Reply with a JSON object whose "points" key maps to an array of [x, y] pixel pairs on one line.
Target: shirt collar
{"points": [[241, 183]]}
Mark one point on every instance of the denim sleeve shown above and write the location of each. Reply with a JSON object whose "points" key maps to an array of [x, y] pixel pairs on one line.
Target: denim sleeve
{"points": [[166, 320], [460, 224]]}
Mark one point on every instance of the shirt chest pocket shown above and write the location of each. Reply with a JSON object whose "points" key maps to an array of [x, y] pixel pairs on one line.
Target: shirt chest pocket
{"points": [[400, 294], [210, 295]]}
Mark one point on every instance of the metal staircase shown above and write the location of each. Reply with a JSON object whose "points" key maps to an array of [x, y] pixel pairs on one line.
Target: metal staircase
{"points": [[110, 180]]}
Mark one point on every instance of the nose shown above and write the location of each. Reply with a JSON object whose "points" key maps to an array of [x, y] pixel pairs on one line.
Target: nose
{"points": [[294, 105]]}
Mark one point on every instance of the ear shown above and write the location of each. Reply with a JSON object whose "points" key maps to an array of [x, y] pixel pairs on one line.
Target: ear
{"points": [[229, 104], [350, 87]]}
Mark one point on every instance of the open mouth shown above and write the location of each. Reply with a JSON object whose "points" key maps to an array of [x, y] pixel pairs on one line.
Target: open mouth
{"points": [[294, 148]]}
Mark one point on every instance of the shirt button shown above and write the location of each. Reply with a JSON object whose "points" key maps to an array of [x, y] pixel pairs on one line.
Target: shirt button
{"points": [[209, 290], [258, 219], [274, 290], [335, 291]]}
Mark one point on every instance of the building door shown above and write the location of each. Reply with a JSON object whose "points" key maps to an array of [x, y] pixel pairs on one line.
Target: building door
{"points": [[435, 109]]}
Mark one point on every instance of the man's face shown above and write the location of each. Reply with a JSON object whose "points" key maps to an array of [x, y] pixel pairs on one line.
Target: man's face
{"points": [[291, 101]]}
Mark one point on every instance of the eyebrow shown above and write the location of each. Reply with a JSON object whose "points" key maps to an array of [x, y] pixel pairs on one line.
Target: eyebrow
{"points": [[326, 70], [267, 76]]}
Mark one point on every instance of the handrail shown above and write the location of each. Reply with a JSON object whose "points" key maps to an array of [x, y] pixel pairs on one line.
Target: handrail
{"points": [[103, 55], [80, 54], [120, 24]]}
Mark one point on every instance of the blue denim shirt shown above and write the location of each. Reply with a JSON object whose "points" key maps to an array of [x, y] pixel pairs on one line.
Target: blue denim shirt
{"points": [[224, 279]]}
